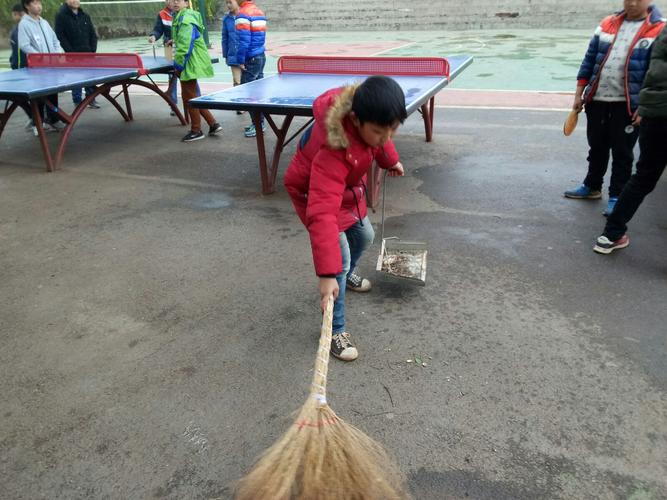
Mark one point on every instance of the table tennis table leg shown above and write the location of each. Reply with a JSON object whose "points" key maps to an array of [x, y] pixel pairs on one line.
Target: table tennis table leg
{"points": [[267, 187], [37, 120], [153, 86], [10, 106], [128, 104], [427, 109], [281, 133]]}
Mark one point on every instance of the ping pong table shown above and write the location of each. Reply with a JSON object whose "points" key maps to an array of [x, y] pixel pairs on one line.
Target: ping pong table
{"points": [[49, 74], [301, 79]]}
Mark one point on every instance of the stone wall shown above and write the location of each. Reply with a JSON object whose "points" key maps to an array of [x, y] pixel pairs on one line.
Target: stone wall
{"points": [[387, 15]]}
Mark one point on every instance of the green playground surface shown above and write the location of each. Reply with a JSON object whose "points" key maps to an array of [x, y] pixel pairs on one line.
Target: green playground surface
{"points": [[531, 60]]}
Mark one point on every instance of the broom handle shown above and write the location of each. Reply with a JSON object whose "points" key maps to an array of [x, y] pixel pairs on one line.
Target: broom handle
{"points": [[319, 386]]}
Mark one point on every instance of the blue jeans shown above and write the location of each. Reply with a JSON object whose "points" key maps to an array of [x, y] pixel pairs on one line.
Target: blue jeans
{"points": [[254, 70], [353, 242], [76, 94]]}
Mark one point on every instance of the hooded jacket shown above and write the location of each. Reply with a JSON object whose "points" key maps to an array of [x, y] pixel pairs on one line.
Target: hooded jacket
{"points": [[230, 41], [36, 36], [326, 177], [75, 32], [250, 25], [191, 55], [653, 96], [637, 60]]}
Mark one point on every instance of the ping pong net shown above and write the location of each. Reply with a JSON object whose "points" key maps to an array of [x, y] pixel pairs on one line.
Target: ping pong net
{"points": [[396, 66], [86, 60]]}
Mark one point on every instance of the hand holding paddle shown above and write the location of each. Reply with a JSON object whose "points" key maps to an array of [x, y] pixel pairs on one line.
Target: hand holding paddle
{"points": [[571, 120]]}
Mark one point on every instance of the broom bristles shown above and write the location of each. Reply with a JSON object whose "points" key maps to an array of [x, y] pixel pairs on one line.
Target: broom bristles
{"points": [[323, 458]]}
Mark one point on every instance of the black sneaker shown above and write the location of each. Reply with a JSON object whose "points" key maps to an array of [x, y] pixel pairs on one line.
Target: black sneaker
{"points": [[356, 283], [215, 129], [93, 104], [342, 347], [605, 246], [193, 136]]}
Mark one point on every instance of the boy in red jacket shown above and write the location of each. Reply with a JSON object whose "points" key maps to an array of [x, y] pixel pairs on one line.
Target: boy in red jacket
{"points": [[325, 180]]}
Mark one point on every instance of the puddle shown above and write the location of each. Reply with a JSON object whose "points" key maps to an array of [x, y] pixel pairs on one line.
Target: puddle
{"points": [[208, 201]]}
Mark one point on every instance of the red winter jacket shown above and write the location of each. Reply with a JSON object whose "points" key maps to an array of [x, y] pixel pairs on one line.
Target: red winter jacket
{"points": [[326, 177]]}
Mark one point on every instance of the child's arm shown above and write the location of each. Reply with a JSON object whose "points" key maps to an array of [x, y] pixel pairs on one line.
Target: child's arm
{"points": [[225, 39], [158, 30], [325, 195], [242, 26], [184, 45], [586, 69], [59, 28], [55, 43]]}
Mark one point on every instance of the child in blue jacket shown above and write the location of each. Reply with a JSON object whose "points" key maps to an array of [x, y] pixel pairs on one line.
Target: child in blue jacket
{"points": [[230, 41]]}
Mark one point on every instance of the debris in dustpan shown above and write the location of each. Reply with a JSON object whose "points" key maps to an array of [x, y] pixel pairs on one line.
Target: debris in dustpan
{"points": [[405, 264]]}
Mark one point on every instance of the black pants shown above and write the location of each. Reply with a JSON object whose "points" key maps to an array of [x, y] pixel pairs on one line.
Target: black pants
{"points": [[606, 131], [51, 116], [651, 164]]}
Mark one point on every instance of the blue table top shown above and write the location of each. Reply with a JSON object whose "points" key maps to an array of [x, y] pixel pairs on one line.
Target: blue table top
{"points": [[295, 93], [37, 82]]}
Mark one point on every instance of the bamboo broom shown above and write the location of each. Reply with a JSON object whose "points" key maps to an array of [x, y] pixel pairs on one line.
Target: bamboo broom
{"points": [[321, 457]]}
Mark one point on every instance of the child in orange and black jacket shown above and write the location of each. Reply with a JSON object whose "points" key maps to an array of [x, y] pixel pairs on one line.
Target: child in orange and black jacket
{"points": [[325, 180], [608, 84]]}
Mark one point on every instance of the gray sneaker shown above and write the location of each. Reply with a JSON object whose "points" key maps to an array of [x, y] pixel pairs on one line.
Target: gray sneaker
{"points": [[342, 347]]}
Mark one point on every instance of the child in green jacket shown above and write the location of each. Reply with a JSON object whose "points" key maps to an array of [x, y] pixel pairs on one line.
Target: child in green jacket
{"points": [[192, 61]]}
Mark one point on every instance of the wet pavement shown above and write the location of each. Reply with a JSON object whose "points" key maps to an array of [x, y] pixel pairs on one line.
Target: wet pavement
{"points": [[159, 317]]}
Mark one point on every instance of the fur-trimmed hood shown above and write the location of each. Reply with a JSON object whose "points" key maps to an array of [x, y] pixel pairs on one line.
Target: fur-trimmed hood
{"points": [[335, 117]]}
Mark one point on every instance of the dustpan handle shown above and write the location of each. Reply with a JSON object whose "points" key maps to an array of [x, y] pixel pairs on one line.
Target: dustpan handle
{"points": [[384, 190]]}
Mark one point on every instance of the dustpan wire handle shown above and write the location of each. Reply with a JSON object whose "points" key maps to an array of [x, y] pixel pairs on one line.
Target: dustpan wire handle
{"points": [[384, 190]]}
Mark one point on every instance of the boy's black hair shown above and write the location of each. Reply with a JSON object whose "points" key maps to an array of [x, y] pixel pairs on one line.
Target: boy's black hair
{"points": [[17, 8], [25, 3], [379, 100]]}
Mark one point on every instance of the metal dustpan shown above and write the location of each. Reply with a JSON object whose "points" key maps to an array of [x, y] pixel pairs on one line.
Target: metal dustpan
{"points": [[403, 260]]}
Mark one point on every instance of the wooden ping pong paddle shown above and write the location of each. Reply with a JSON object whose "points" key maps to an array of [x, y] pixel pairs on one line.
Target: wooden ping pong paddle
{"points": [[570, 122]]}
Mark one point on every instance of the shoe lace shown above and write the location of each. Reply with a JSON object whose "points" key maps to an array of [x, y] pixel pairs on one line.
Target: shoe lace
{"points": [[354, 279], [342, 341]]}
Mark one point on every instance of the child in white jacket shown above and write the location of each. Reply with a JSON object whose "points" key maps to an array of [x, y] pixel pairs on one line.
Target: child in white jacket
{"points": [[36, 36]]}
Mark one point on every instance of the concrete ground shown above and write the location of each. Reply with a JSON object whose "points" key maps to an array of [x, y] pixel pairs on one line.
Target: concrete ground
{"points": [[159, 318]]}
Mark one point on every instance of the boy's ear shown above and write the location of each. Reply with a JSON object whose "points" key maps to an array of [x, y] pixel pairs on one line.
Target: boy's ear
{"points": [[355, 120]]}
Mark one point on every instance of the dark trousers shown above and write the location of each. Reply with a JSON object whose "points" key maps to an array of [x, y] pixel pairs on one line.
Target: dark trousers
{"points": [[606, 123], [51, 116], [254, 70], [651, 164]]}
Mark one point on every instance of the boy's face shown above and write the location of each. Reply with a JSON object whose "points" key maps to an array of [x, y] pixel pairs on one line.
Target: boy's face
{"points": [[73, 4], [34, 8], [16, 16], [636, 9], [232, 6], [178, 5], [373, 134]]}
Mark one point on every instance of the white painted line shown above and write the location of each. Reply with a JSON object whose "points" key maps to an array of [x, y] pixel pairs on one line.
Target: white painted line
{"points": [[505, 108], [393, 48]]}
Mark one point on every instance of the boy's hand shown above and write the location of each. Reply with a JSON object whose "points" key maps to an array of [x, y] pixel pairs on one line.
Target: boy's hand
{"points": [[242, 66], [328, 288], [397, 170], [578, 103], [636, 119], [170, 43], [151, 39]]}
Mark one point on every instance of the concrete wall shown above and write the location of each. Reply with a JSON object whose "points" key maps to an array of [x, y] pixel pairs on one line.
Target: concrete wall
{"points": [[358, 15]]}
